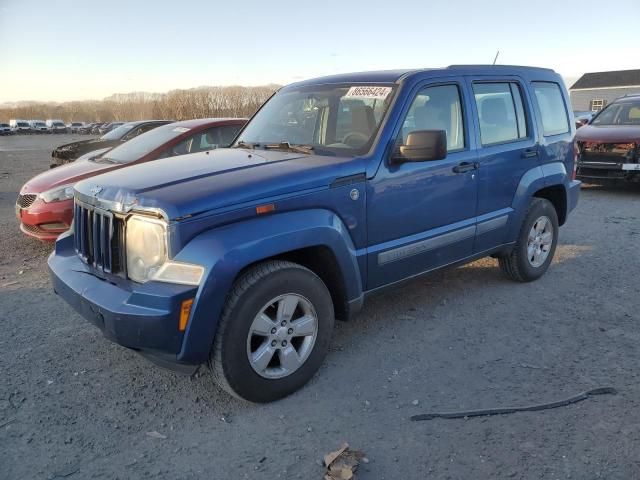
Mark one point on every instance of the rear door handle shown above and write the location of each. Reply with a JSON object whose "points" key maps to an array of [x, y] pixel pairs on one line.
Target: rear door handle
{"points": [[466, 167], [529, 153]]}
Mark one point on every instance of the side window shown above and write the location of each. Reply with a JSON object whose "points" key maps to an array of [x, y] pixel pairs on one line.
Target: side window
{"points": [[437, 108], [552, 110], [500, 112]]}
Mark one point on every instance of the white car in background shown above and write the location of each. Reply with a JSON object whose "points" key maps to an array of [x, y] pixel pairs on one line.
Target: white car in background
{"points": [[38, 126], [5, 129], [56, 126], [74, 127], [19, 126]]}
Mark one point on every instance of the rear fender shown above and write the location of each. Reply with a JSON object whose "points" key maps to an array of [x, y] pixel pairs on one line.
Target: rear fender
{"points": [[533, 180]]}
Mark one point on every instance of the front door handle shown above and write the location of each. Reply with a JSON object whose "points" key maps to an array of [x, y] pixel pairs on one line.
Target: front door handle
{"points": [[529, 153], [466, 167]]}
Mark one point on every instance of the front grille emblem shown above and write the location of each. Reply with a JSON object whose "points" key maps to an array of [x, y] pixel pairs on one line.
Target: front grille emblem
{"points": [[96, 190]]}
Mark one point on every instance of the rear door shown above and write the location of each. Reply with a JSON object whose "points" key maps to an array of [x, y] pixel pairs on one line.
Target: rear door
{"points": [[507, 149]]}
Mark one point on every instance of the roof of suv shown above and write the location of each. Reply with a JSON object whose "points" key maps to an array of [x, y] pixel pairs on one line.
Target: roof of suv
{"points": [[395, 76]]}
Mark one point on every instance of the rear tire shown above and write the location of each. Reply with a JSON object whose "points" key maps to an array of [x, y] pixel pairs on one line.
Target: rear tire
{"points": [[274, 332], [536, 243]]}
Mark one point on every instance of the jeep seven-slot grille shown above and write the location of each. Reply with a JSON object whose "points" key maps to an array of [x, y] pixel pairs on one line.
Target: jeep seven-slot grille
{"points": [[97, 237], [25, 201]]}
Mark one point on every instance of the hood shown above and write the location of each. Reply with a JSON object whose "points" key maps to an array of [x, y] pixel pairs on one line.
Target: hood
{"points": [[64, 175], [609, 133], [77, 149], [74, 145], [204, 182]]}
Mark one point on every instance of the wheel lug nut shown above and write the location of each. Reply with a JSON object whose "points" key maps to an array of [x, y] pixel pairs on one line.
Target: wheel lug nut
{"points": [[290, 331], [274, 343], [284, 343], [274, 330], [283, 323]]}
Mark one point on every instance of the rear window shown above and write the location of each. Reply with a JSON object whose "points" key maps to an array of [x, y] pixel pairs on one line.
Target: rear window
{"points": [[119, 132], [548, 96]]}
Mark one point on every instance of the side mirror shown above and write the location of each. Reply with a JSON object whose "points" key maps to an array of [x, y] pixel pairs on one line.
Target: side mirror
{"points": [[423, 146]]}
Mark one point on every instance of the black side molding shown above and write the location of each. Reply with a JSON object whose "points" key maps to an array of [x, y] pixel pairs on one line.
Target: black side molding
{"points": [[348, 180]]}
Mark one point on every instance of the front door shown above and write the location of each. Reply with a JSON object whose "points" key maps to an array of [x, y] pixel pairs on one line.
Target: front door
{"points": [[421, 215]]}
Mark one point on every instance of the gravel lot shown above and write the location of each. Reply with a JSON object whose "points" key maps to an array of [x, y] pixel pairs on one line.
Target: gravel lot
{"points": [[73, 405]]}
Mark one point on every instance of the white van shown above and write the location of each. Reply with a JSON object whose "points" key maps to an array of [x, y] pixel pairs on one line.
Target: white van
{"points": [[56, 126], [19, 126]]}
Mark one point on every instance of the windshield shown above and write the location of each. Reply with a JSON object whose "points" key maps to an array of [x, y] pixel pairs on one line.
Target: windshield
{"points": [[141, 145], [118, 133], [624, 112], [327, 119], [23, 124]]}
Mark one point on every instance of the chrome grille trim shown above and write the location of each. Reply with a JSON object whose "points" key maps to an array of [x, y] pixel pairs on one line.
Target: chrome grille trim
{"points": [[95, 232]]}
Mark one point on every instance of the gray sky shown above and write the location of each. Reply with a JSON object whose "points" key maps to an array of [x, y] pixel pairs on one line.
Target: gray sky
{"points": [[73, 50]]}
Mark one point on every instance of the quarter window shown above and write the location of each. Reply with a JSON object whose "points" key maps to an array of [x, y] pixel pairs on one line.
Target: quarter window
{"points": [[551, 105], [437, 108], [500, 112]]}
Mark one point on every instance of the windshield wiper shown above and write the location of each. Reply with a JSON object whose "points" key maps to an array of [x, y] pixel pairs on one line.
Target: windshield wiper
{"points": [[307, 149], [243, 144]]}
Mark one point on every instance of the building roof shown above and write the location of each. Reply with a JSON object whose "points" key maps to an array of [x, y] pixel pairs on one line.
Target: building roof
{"points": [[619, 78]]}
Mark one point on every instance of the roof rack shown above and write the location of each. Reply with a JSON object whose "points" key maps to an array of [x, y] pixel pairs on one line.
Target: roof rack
{"points": [[500, 66]]}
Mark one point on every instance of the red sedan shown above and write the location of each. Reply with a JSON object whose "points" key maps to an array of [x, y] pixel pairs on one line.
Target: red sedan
{"points": [[45, 204]]}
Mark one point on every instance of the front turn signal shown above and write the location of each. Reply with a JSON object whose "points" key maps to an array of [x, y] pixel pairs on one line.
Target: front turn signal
{"points": [[185, 311]]}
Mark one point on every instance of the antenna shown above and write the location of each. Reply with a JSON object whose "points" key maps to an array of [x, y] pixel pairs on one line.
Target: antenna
{"points": [[496, 57]]}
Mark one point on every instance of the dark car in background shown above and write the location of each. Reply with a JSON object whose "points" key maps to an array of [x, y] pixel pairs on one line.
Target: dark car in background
{"points": [[95, 130], [45, 205], [69, 152], [86, 129], [609, 145]]}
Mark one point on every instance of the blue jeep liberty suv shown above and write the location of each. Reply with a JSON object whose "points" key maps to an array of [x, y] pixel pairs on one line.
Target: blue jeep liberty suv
{"points": [[242, 257]]}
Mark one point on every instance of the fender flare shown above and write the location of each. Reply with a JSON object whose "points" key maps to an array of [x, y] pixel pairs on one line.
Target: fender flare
{"points": [[535, 179], [225, 251]]}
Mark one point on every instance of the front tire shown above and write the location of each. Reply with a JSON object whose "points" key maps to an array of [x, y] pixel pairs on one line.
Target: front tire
{"points": [[536, 243], [274, 332]]}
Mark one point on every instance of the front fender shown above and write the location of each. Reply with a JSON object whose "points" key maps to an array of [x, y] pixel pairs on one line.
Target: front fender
{"points": [[225, 251]]}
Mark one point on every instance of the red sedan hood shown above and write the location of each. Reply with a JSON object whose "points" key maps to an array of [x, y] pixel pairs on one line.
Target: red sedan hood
{"points": [[66, 174], [609, 134]]}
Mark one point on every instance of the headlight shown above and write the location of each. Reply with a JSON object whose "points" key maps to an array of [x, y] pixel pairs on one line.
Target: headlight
{"points": [[57, 194], [147, 259], [146, 247]]}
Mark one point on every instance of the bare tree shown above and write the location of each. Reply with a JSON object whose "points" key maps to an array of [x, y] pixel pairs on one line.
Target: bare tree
{"points": [[201, 102]]}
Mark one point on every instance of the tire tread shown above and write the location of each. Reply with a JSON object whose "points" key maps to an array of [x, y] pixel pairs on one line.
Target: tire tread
{"points": [[244, 283]]}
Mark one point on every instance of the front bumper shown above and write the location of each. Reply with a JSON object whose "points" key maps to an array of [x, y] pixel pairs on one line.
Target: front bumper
{"points": [[608, 171], [40, 213], [143, 317]]}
